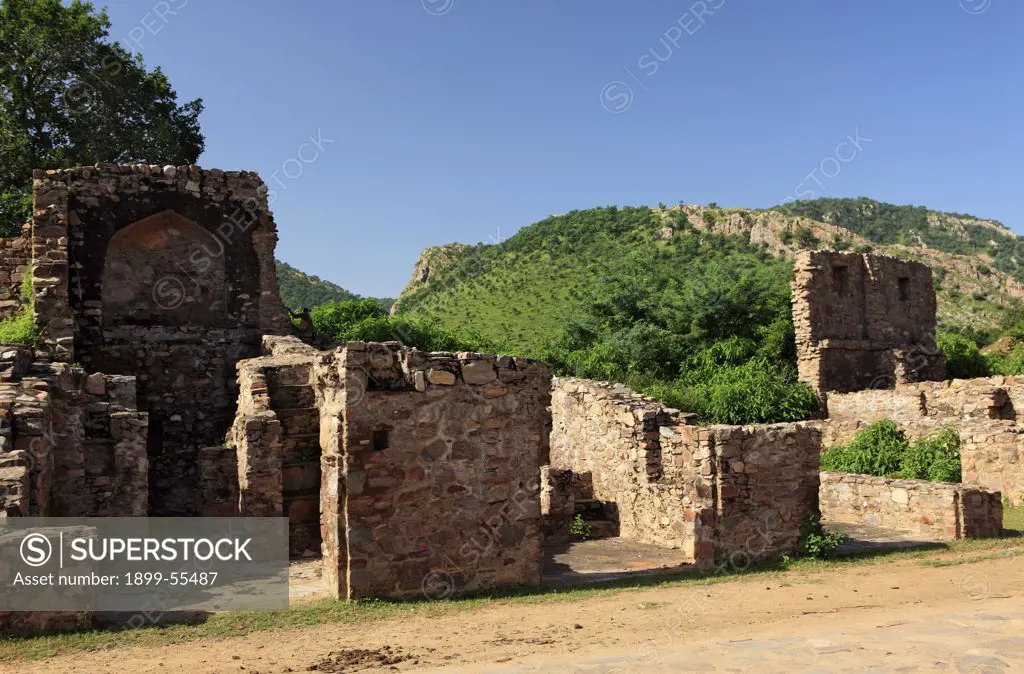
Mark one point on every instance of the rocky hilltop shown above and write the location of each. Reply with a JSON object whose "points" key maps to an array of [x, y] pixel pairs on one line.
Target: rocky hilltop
{"points": [[525, 287]]}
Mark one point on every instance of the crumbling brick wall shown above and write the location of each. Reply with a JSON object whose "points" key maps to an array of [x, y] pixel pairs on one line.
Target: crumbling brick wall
{"points": [[166, 274], [934, 510], [15, 260], [864, 321], [71, 444], [430, 470], [713, 491], [982, 410], [276, 435]]}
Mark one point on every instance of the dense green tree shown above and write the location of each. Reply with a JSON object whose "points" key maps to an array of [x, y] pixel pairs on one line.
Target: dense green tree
{"points": [[69, 96]]}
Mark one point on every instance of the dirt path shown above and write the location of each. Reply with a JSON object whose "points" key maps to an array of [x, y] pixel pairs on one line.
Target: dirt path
{"points": [[963, 618]]}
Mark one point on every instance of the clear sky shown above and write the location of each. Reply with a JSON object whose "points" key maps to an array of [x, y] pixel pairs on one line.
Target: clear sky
{"points": [[464, 120]]}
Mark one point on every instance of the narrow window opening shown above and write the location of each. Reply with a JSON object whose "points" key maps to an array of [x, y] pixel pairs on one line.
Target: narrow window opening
{"points": [[904, 284], [380, 439], [155, 435], [840, 279]]}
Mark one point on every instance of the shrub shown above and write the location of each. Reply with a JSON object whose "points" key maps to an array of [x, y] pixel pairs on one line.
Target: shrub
{"points": [[875, 450], [963, 358], [750, 393], [366, 321], [1006, 364], [882, 450], [805, 238], [936, 458], [819, 542], [579, 528], [21, 327]]}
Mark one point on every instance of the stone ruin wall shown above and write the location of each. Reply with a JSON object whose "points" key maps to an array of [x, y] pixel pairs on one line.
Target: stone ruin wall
{"points": [[166, 274], [71, 444], [936, 511], [420, 471], [864, 321], [434, 459], [983, 411], [711, 491], [15, 260]]}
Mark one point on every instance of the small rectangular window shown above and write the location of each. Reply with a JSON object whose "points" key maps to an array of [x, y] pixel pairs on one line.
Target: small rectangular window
{"points": [[904, 289], [840, 279], [380, 439]]}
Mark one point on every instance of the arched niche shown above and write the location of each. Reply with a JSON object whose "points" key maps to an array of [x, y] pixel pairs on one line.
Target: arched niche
{"points": [[164, 269]]}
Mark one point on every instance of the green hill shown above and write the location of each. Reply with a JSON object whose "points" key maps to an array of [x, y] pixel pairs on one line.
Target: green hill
{"points": [[524, 290], [917, 226], [302, 290]]}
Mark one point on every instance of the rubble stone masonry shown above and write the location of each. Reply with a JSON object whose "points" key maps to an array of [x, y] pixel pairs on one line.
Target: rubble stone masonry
{"points": [[864, 321], [166, 274], [934, 510], [15, 260], [712, 491], [983, 411]]}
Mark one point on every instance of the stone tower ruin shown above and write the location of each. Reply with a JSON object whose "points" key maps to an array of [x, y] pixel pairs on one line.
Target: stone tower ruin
{"points": [[864, 321]]}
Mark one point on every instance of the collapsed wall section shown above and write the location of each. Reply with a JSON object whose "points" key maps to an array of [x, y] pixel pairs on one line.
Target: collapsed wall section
{"points": [[15, 261], [276, 439], [711, 491], [864, 321], [71, 444]]}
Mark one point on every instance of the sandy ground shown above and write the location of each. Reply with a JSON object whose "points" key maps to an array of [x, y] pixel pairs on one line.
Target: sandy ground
{"points": [[899, 616]]}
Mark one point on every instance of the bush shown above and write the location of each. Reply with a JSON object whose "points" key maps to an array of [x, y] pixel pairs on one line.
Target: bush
{"points": [[875, 450], [1006, 364], [819, 542], [367, 321], [805, 238], [936, 459], [21, 327], [882, 450], [963, 358], [753, 392]]}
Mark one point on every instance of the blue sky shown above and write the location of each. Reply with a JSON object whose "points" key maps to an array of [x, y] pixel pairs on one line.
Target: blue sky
{"points": [[464, 120]]}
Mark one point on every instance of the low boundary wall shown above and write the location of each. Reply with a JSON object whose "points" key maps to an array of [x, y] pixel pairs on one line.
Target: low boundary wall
{"points": [[938, 510]]}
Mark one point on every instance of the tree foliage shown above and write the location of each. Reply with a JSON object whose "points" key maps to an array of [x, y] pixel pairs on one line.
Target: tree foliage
{"points": [[366, 320], [70, 97], [706, 329]]}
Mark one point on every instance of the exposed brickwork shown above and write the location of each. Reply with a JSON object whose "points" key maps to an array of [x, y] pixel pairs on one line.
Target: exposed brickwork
{"points": [[864, 321], [711, 491], [166, 274], [934, 510]]}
